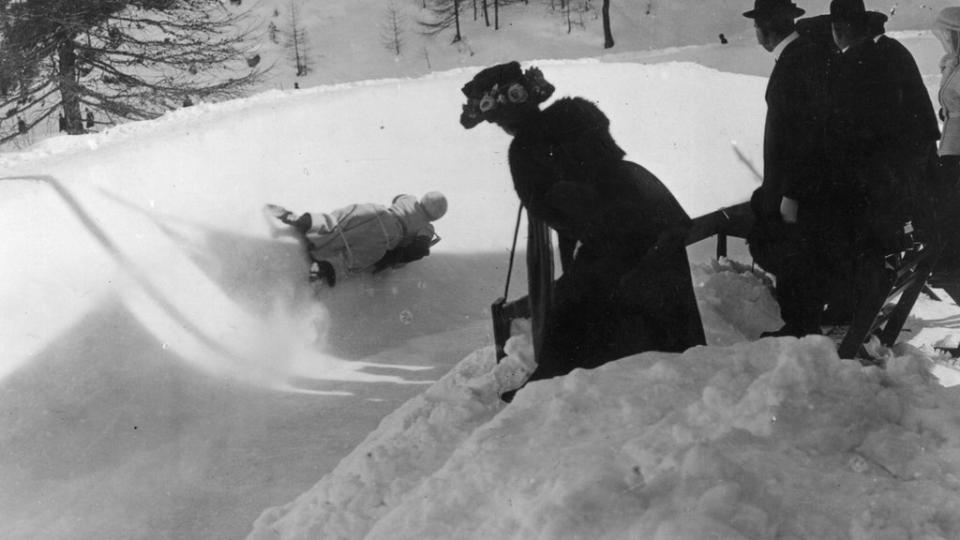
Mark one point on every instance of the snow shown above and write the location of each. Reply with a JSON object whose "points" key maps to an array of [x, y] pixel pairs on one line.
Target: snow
{"points": [[776, 438], [167, 372]]}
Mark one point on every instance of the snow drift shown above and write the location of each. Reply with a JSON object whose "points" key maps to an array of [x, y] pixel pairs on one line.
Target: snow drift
{"points": [[777, 438]]}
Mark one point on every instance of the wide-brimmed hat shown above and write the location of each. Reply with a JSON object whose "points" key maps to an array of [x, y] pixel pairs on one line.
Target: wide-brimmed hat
{"points": [[877, 21], [848, 10], [769, 9], [499, 87]]}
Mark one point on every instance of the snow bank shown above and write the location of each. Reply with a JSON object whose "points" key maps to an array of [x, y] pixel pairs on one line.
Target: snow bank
{"points": [[774, 438], [735, 301], [407, 447], [777, 438]]}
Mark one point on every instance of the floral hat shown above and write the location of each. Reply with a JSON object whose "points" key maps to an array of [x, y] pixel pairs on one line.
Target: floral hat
{"points": [[499, 86]]}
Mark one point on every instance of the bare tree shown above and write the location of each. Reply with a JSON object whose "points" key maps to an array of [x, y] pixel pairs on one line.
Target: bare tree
{"points": [[443, 15], [569, 8], [497, 9], [426, 58], [297, 40], [607, 32], [391, 31], [127, 59]]}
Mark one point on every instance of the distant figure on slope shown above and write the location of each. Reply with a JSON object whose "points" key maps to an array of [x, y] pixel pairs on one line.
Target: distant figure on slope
{"points": [[367, 237], [626, 288]]}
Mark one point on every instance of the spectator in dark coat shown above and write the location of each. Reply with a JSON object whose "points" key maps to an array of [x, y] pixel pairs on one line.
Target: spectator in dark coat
{"points": [[881, 139], [919, 130], [627, 288], [916, 161], [817, 29], [783, 240], [883, 126]]}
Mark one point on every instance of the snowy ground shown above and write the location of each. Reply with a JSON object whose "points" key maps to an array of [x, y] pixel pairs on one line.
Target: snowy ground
{"points": [[776, 438], [166, 372]]}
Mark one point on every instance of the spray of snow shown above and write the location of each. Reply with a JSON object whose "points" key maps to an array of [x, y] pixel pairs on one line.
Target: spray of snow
{"points": [[202, 323]]}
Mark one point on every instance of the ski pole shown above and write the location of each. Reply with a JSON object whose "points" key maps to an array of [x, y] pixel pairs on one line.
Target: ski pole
{"points": [[513, 250]]}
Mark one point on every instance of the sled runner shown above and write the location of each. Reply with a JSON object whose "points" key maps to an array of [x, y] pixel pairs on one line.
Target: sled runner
{"points": [[882, 313]]}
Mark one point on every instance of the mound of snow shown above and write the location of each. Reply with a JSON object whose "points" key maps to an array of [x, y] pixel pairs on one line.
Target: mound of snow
{"points": [[774, 438]]}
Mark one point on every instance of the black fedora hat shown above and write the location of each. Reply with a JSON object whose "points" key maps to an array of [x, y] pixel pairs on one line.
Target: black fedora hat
{"points": [[848, 10], [766, 9]]}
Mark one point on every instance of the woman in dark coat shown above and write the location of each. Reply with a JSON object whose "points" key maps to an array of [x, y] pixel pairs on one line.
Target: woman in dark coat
{"points": [[626, 288]]}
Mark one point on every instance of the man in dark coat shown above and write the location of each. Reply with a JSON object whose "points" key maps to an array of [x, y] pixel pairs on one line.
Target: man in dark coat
{"points": [[881, 138], [882, 125], [783, 241], [626, 289], [918, 130]]}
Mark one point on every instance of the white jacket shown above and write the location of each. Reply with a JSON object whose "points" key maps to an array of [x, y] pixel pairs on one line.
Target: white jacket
{"points": [[949, 95]]}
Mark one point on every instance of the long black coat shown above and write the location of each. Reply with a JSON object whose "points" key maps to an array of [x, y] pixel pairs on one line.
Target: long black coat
{"points": [[796, 98], [628, 287], [881, 137], [793, 150], [917, 136], [916, 117]]}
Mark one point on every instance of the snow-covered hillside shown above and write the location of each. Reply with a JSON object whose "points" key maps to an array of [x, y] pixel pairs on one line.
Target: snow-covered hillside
{"points": [[345, 40]]}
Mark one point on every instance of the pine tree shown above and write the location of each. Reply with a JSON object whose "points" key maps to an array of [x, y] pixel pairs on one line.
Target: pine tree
{"points": [[126, 59]]}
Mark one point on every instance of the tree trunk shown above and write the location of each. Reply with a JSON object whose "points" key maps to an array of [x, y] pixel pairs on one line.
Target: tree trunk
{"points": [[456, 19], [67, 82], [486, 14], [496, 14], [607, 33]]}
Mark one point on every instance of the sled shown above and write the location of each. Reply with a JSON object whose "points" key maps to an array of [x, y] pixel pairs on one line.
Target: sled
{"points": [[885, 310]]}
